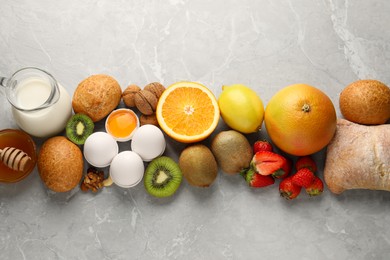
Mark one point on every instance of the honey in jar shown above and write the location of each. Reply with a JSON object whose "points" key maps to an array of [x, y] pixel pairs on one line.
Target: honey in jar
{"points": [[18, 143]]}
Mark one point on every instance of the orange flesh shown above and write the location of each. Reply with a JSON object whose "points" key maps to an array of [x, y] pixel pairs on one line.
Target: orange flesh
{"points": [[121, 123], [188, 112]]}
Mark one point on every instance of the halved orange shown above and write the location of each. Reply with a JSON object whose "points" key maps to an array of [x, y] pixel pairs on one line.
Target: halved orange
{"points": [[188, 112]]}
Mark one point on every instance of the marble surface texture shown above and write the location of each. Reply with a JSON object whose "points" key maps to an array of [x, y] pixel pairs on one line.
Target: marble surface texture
{"points": [[266, 45]]}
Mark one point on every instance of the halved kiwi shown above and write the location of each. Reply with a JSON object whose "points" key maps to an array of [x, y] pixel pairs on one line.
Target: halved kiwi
{"points": [[78, 128], [162, 177]]}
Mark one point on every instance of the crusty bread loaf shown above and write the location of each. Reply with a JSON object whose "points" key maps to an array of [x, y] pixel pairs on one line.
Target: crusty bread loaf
{"points": [[60, 164], [358, 157], [96, 96]]}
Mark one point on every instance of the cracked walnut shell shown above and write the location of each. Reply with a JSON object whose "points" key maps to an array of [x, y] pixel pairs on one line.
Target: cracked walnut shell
{"points": [[128, 95], [146, 102], [148, 120], [156, 88]]}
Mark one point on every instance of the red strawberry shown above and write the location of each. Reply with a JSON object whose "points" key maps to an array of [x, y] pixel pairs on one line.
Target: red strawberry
{"points": [[284, 171], [266, 163], [304, 177], [288, 189], [263, 145], [316, 188], [306, 162], [256, 180]]}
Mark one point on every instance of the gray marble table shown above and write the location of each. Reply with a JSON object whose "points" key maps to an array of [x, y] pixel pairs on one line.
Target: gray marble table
{"points": [[266, 45]]}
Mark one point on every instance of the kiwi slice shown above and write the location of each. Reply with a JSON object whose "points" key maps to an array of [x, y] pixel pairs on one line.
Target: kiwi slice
{"points": [[162, 177], [78, 128]]}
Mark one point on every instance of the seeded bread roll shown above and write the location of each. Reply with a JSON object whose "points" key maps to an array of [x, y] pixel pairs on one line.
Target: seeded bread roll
{"points": [[60, 164], [96, 96]]}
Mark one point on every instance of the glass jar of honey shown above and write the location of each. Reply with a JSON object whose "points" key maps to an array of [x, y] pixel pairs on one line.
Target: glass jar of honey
{"points": [[17, 154]]}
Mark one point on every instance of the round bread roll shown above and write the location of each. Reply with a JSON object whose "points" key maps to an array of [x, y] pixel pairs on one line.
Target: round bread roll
{"points": [[366, 102], [60, 164], [96, 96]]}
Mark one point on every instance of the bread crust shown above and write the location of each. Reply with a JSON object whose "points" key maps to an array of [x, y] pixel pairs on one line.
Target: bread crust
{"points": [[96, 96], [358, 157], [366, 102], [60, 164]]}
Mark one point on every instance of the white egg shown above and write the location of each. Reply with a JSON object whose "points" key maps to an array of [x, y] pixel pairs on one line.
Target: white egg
{"points": [[100, 148], [149, 142], [127, 169]]}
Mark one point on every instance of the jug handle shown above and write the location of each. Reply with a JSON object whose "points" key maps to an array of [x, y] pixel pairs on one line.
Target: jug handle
{"points": [[3, 81]]}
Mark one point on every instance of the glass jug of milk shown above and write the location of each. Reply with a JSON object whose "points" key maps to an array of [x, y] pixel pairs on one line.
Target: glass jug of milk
{"points": [[40, 106]]}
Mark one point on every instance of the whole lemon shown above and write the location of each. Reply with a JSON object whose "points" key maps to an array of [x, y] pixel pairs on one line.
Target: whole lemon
{"points": [[241, 108]]}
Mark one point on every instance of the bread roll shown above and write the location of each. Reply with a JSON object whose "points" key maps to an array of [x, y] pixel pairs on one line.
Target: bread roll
{"points": [[60, 164], [96, 96], [358, 157]]}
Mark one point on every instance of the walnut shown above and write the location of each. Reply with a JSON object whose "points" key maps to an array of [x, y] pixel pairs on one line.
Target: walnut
{"points": [[93, 180], [128, 95], [156, 88], [146, 102], [148, 120]]}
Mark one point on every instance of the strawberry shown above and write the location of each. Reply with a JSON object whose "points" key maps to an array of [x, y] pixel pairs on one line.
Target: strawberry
{"points": [[304, 177], [266, 162], [288, 189], [263, 145], [306, 162], [284, 171], [256, 180], [316, 188]]}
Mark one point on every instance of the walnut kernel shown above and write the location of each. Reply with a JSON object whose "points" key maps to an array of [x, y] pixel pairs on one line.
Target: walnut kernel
{"points": [[93, 180]]}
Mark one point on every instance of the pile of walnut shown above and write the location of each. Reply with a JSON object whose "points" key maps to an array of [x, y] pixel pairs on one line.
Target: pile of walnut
{"points": [[145, 100], [93, 180]]}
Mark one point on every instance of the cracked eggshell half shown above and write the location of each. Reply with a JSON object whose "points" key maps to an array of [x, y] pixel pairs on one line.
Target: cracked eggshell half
{"points": [[121, 124], [127, 169], [99, 149]]}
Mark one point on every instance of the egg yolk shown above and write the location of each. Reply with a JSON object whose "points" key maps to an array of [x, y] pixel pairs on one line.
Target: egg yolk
{"points": [[122, 123]]}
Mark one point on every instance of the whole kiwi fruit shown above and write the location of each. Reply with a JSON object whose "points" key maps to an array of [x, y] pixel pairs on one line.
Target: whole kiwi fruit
{"points": [[198, 165], [162, 177], [366, 102], [232, 151]]}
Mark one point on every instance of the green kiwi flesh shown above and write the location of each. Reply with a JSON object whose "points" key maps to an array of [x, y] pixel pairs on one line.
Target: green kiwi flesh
{"points": [[78, 128], [162, 177]]}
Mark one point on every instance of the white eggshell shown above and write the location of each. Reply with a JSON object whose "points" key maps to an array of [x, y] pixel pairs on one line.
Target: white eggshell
{"points": [[149, 142], [100, 148], [127, 169]]}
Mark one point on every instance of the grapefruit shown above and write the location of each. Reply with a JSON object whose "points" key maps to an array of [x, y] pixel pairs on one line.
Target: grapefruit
{"points": [[300, 119]]}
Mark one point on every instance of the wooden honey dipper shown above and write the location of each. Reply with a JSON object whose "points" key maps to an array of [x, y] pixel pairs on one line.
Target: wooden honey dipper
{"points": [[14, 158]]}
